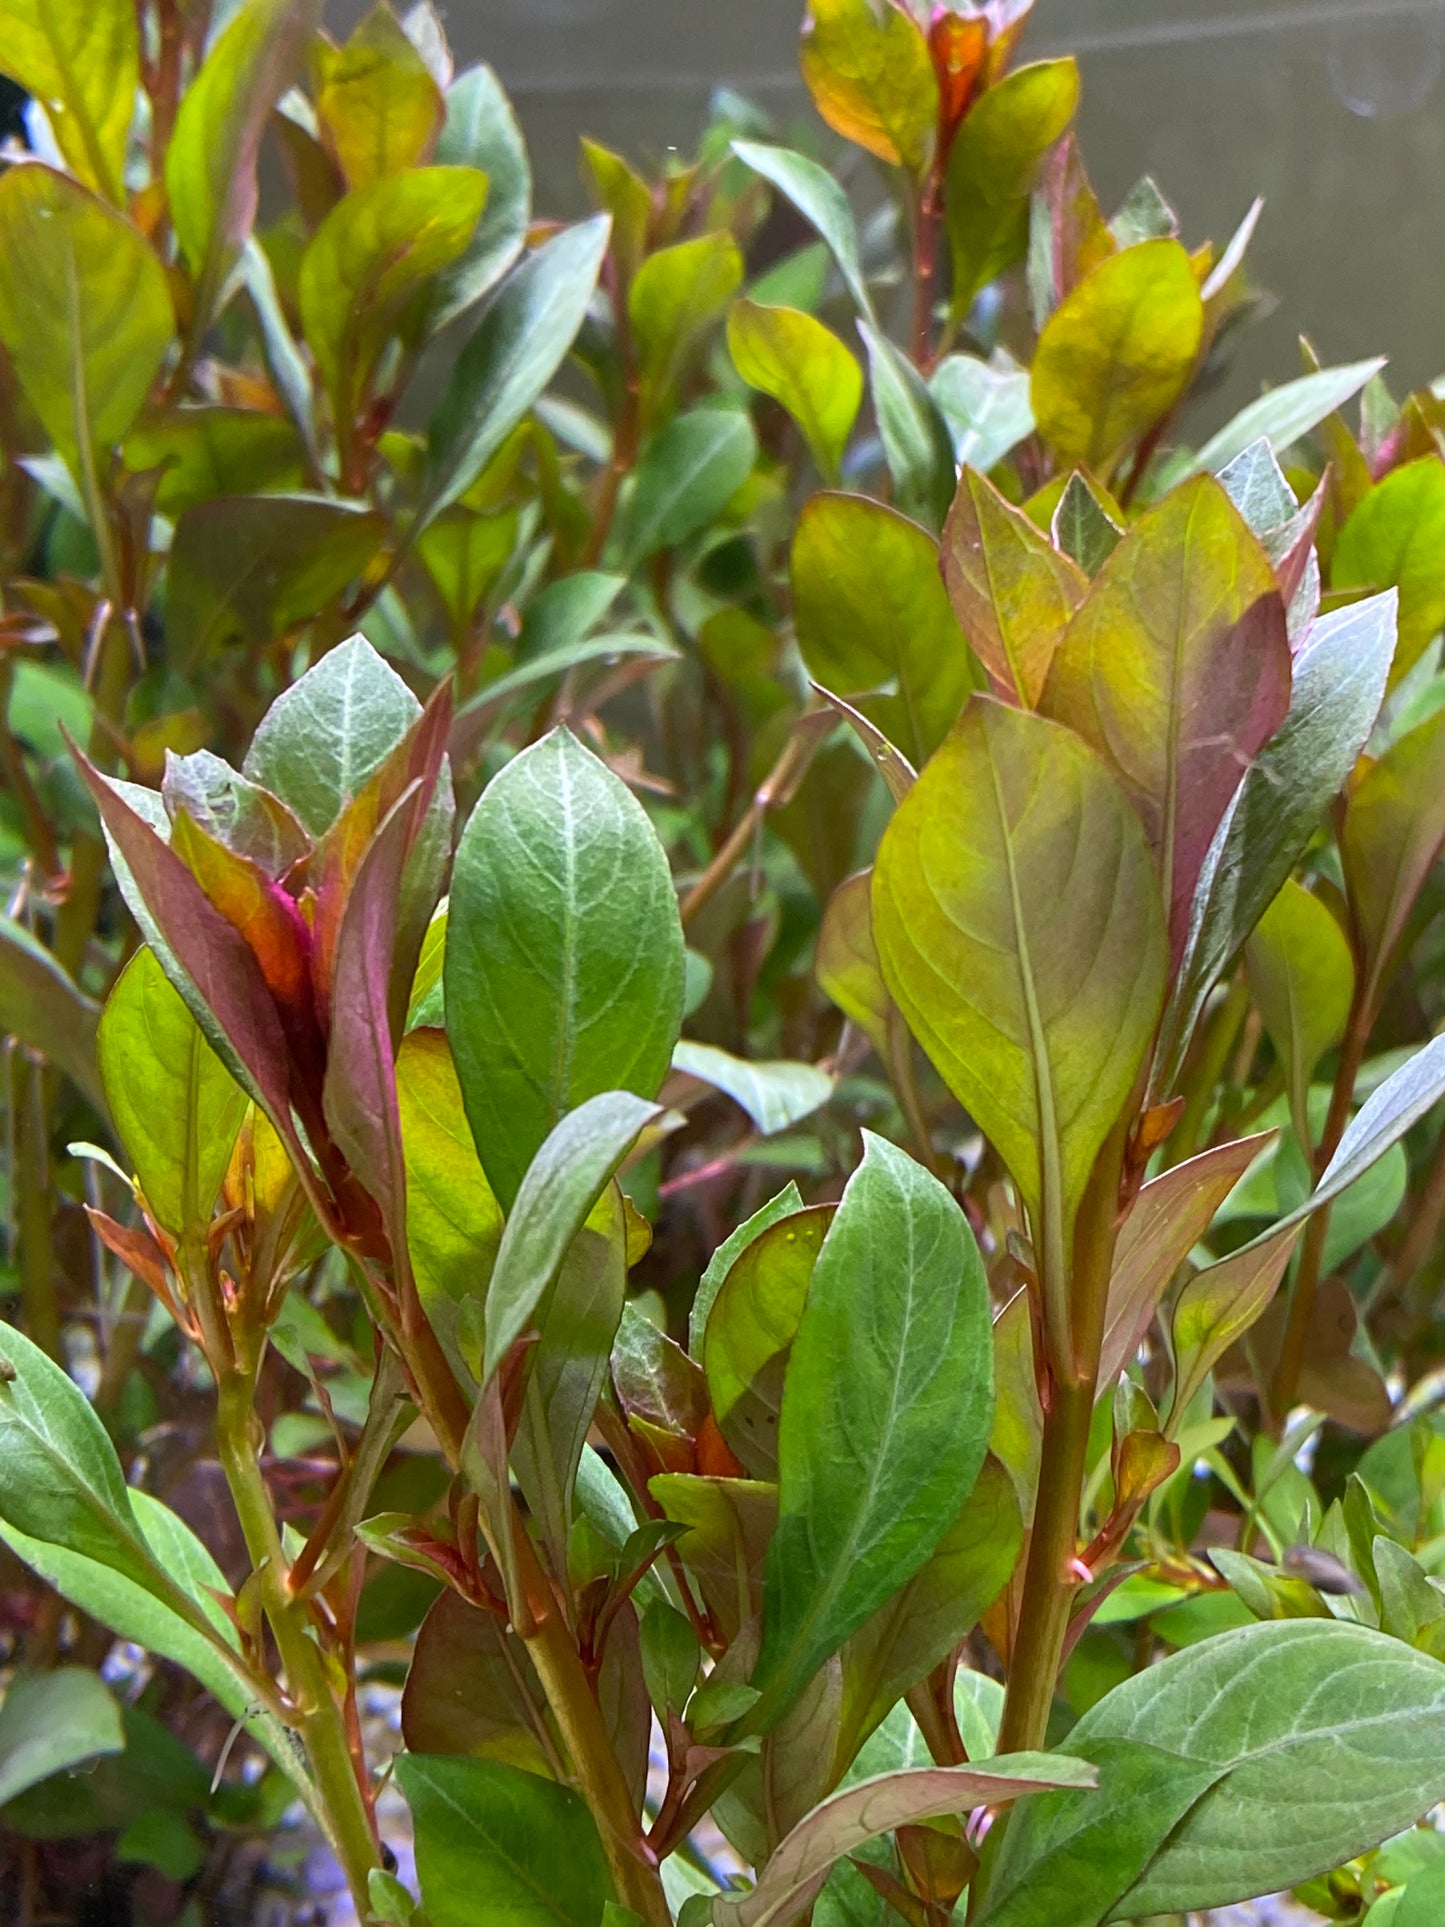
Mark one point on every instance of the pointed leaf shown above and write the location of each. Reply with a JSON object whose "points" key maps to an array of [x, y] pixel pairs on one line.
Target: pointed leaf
{"points": [[211, 159], [1393, 540], [453, 1223], [85, 312], [1170, 1216], [872, 613], [1116, 356], [803, 366], [676, 295], [1013, 592], [687, 476], [774, 1095], [481, 131], [1083, 528], [1220, 1304], [562, 1184], [521, 341], [1018, 923], [993, 168], [1339, 684], [175, 1105], [850, 1819], [915, 436], [1284, 415], [379, 108], [985, 405], [887, 1407], [1177, 671], [871, 76], [1302, 973], [788, 1200], [564, 958], [821, 201]]}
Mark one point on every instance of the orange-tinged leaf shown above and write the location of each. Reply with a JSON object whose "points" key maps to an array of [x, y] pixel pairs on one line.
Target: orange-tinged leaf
{"points": [[869, 70], [1013, 592], [263, 913], [1177, 670]]}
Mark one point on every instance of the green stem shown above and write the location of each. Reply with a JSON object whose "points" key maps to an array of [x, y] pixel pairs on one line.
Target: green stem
{"points": [[319, 1717]]}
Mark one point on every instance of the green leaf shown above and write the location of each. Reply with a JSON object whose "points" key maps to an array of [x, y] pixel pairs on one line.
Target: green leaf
{"points": [[176, 1106], [993, 168], [687, 476], [1394, 830], [41, 1006], [208, 451], [481, 131], [774, 1095], [1327, 1737], [1083, 528], [81, 61], [377, 105], [790, 1882], [1221, 1303], [211, 160], [1035, 1009], [1013, 592], [1393, 540], [1283, 416], [453, 1222], [872, 614], [247, 569], [1398, 1104], [564, 957], [1339, 676], [916, 439], [473, 719], [750, 1331], [938, 1608], [1423, 1900], [521, 341], [1117, 354], [886, 1413], [1302, 973], [494, 1843], [846, 961], [326, 736], [871, 76], [788, 1200], [365, 274], [803, 366], [986, 406], [85, 313], [1077, 1855], [1178, 675], [53, 1721], [676, 295], [561, 1186], [821, 201]]}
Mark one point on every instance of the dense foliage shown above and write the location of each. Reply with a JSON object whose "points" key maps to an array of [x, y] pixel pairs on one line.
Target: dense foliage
{"points": [[823, 705]]}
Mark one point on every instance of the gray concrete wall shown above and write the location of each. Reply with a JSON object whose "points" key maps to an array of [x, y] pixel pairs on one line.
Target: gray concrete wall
{"points": [[1333, 109]]}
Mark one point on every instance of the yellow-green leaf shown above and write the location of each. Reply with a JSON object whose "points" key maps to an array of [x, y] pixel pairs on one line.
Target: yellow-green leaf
{"points": [[676, 294], [84, 311], [1303, 978], [870, 73], [211, 160], [379, 109], [81, 61], [993, 167], [176, 1107], [846, 964], [1013, 592], [1394, 831], [371, 259], [619, 190], [800, 363], [1019, 926], [1117, 354], [872, 614], [1396, 538], [1177, 670]]}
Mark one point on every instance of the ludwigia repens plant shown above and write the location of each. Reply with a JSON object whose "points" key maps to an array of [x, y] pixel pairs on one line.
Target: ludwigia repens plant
{"points": [[1035, 830]]}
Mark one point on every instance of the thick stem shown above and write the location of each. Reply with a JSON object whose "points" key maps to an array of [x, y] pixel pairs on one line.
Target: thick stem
{"points": [[1050, 1578], [320, 1720]]}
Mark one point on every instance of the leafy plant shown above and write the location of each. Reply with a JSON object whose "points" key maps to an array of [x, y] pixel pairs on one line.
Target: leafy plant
{"points": [[740, 743]]}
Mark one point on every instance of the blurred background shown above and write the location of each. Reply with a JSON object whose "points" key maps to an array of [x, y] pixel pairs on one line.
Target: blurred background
{"points": [[1334, 110]]}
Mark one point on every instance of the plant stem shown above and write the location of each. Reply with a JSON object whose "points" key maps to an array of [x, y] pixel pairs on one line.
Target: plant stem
{"points": [[320, 1720], [1050, 1582], [925, 264], [775, 789], [40, 1313]]}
